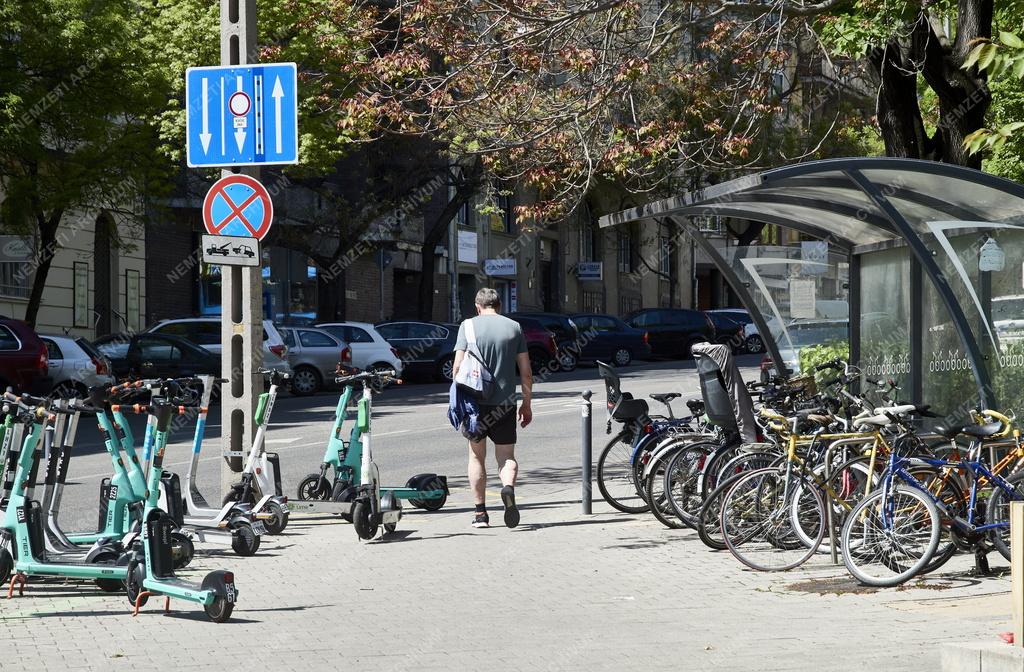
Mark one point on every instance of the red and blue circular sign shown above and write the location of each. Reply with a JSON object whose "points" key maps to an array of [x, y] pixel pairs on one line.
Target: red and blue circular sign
{"points": [[238, 205]]}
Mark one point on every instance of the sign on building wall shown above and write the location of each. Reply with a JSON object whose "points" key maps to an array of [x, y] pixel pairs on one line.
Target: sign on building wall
{"points": [[467, 246], [133, 298], [513, 298], [991, 257], [80, 294], [590, 270], [802, 298], [500, 267], [814, 254]]}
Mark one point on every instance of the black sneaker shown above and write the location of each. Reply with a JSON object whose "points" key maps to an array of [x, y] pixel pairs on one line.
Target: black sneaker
{"points": [[481, 519], [508, 498]]}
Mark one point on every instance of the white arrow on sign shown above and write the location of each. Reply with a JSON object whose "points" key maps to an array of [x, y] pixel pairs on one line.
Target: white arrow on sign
{"points": [[205, 136], [239, 133], [277, 94]]}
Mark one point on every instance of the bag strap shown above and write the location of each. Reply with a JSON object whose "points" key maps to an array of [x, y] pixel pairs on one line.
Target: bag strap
{"points": [[470, 332]]}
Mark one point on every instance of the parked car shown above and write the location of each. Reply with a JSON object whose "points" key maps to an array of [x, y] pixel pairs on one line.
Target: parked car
{"points": [[314, 356], [566, 336], [540, 342], [24, 363], [672, 331], [610, 339], [75, 365], [369, 349], [426, 348], [752, 340], [728, 331], [205, 332], [152, 355]]}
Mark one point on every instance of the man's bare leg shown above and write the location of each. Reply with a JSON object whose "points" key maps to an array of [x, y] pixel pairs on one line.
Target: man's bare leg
{"points": [[508, 469], [478, 480]]}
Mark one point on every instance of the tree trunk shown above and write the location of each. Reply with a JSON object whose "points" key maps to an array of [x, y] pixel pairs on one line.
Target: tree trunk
{"points": [[963, 95], [434, 234], [48, 227]]}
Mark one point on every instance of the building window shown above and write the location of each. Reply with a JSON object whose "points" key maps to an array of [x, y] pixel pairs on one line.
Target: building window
{"points": [[628, 304], [80, 294], [463, 217], [504, 221], [625, 252], [665, 260], [590, 249], [133, 299], [592, 302]]}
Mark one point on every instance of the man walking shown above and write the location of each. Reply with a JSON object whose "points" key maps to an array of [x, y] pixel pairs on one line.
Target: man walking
{"points": [[502, 347]]}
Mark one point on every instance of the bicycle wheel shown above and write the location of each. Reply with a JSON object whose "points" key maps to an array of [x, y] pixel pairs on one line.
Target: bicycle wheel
{"points": [[709, 525], [681, 482], [998, 511], [713, 469], [617, 476], [657, 496], [849, 482], [759, 516], [946, 488], [890, 536]]}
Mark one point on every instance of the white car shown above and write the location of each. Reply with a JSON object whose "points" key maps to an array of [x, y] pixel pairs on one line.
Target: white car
{"points": [[369, 349], [75, 365], [205, 332], [752, 340]]}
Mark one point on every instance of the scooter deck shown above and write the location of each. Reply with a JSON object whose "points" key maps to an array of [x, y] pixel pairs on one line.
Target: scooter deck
{"points": [[401, 492], [319, 506]]}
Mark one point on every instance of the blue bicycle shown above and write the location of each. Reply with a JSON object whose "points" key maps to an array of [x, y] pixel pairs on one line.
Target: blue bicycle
{"points": [[894, 533]]}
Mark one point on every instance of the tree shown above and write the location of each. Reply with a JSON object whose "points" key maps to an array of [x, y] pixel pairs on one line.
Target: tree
{"points": [[75, 94]]}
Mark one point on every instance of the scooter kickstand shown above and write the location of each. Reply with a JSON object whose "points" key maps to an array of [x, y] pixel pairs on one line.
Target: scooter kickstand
{"points": [[18, 578], [138, 599]]}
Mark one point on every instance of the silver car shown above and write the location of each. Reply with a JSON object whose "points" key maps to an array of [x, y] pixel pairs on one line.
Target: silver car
{"points": [[75, 365], [314, 356]]}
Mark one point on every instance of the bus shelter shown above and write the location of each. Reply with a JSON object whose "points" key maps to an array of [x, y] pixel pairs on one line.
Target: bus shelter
{"points": [[916, 266]]}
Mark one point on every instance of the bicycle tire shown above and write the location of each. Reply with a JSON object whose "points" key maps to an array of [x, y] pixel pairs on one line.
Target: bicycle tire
{"points": [[681, 482], [709, 528], [758, 518], [656, 497], [998, 512], [915, 511], [621, 501]]}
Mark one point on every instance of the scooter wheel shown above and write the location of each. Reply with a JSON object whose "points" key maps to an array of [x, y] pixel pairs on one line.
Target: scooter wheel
{"points": [[314, 487], [133, 584], [6, 566], [432, 504], [219, 610], [389, 502], [278, 520], [246, 542], [362, 519], [182, 549]]}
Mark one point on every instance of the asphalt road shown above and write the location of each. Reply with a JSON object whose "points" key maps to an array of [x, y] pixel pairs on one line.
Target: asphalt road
{"points": [[411, 434]]}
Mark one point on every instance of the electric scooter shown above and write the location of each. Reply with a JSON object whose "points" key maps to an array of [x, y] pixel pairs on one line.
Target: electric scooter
{"points": [[150, 571], [23, 519], [268, 504], [344, 461], [234, 525]]}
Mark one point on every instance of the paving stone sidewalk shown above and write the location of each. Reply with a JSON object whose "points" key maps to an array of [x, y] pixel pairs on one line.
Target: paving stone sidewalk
{"points": [[561, 592]]}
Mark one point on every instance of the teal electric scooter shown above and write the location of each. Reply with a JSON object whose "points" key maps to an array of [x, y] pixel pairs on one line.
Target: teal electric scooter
{"points": [[23, 518], [150, 570]]}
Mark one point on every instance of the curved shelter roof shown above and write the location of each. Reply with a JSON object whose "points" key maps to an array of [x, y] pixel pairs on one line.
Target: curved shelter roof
{"points": [[859, 205]]}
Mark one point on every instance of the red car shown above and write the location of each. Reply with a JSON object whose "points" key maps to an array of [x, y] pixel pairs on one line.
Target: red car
{"points": [[540, 342], [23, 360]]}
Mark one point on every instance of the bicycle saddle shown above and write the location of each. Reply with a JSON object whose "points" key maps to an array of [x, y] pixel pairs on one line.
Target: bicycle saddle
{"points": [[665, 397], [950, 432], [983, 431]]}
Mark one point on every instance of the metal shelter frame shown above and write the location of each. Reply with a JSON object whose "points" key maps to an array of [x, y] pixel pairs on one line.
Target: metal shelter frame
{"points": [[859, 205]]}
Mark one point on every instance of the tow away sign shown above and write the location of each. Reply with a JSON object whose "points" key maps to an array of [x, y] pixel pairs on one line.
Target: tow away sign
{"points": [[231, 250], [242, 115]]}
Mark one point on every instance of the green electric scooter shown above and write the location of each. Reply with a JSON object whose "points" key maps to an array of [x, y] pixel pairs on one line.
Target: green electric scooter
{"points": [[150, 570], [23, 518]]}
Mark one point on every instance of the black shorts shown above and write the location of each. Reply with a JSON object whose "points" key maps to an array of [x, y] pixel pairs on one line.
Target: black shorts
{"points": [[498, 423]]}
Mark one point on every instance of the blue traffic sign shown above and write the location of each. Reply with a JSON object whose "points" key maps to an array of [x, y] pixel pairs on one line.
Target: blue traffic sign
{"points": [[242, 115]]}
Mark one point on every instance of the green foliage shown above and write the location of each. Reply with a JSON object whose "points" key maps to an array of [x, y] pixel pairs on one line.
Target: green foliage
{"points": [[813, 355]]}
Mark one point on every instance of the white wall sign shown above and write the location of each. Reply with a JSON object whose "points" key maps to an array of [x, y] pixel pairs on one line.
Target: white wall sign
{"points": [[467, 246], [500, 267], [991, 257], [802, 298], [513, 298], [815, 255]]}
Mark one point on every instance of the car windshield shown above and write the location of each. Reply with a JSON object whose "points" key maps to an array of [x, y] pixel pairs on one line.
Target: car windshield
{"points": [[88, 347], [1007, 308]]}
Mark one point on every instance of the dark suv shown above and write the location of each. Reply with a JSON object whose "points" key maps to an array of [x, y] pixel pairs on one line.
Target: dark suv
{"points": [[672, 331], [566, 336], [24, 364], [425, 348]]}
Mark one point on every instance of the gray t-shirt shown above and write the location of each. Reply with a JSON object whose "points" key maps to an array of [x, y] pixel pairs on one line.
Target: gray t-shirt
{"points": [[499, 340]]}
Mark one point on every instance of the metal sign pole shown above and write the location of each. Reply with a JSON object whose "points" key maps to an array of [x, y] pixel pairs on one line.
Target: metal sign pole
{"points": [[241, 287]]}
